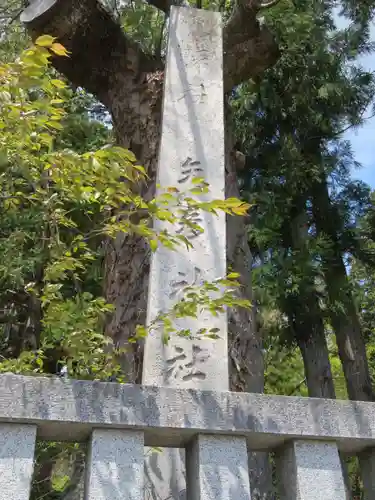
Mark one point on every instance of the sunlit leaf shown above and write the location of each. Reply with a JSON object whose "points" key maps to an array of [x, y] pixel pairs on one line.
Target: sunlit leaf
{"points": [[59, 49], [45, 40], [58, 83]]}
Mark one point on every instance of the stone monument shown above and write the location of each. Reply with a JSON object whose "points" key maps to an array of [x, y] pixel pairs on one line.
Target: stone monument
{"points": [[192, 145]]}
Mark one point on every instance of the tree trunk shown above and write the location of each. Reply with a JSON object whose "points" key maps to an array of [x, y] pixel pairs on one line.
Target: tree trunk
{"points": [[136, 118], [304, 312], [245, 346], [313, 346], [343, 313], [302, 307]]}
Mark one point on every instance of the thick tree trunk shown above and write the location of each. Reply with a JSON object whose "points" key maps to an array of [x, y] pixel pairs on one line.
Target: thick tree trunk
{"points": [[245, 342], [313, 346], [304, 312], [344, 317], [136, 116]]}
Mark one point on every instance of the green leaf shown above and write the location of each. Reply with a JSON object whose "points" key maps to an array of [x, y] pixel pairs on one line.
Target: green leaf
{"points": [[45, 41], [55, 125], [241, 210], [197, 180], [58, 83], [232, 276], [196, 191], [165, 338], [323, 92], [232, 202], [141, 332], [153, 245], [214, 330]]}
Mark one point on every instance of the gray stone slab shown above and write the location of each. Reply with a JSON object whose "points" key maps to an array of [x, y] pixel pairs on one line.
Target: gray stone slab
{"points": [[192, 145], [217, 468], [367, 466], [17, 445], [115, 465], [165, 476], [68, 410], [310, 471]]}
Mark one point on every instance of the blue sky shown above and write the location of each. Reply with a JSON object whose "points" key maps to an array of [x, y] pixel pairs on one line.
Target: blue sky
{"points": [[363, 139]]}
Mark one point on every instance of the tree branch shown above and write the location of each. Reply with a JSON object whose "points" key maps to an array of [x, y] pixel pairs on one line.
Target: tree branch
{"points": [[14, 17], [249, 46], [303, 381], [99, 49], [163, 5]]}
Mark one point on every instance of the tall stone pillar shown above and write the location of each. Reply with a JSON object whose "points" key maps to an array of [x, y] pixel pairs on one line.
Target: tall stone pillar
{"points": [[192, 145]]}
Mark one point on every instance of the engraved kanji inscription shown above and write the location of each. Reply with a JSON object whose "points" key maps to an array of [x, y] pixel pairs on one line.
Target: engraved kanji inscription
{"points": [[183, 280], [189, 168], [187, 364], [188, 231]]}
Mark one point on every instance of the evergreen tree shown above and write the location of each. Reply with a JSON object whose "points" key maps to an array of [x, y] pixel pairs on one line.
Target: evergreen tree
{"points": [[297, 113]]}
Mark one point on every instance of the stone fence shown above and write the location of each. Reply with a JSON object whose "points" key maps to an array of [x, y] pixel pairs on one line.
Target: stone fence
{"points": [[118, 420]]}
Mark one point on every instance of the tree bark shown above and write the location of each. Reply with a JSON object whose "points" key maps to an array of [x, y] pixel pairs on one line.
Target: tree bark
{"points": [[304, 312], [344, 317], [313, 346]]}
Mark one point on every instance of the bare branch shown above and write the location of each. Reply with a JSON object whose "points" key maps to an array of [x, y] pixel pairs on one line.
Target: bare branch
{"points": [[303, 381], [15, 17]]}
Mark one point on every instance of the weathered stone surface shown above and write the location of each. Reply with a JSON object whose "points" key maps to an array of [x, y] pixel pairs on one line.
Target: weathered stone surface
{"points": [[17, 444], [68, 410], [165, 475], [115, 465], [192, 145], [310, 471], [217, 468]]}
